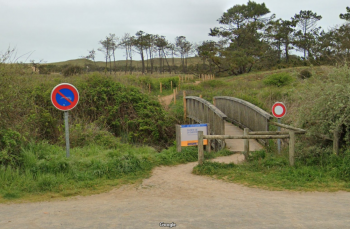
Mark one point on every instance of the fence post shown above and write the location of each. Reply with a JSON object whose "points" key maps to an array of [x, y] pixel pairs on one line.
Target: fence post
{"points": [[178, 138], [185, 109], [174, 96], [208, 147], [160, 87], [200, 148], [291, 147], [246, 143]]}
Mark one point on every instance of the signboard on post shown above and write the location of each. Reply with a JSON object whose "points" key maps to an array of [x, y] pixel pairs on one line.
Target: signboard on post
{"points": [[189, 134], [65, 97]]}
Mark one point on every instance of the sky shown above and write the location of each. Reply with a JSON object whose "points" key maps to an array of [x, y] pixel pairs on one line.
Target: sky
{"points": [[60, 30]]}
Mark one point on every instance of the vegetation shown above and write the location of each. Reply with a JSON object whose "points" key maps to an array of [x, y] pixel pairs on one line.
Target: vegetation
{"points": [[45, 172], [272, 172]]}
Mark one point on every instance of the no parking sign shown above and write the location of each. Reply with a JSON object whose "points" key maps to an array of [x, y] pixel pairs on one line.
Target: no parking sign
{"points": [[65, 97]]}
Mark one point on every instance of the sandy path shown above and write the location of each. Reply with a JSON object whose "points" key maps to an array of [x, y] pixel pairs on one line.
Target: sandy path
{"points": [[173, 194], [237, 145], [166, 100]]}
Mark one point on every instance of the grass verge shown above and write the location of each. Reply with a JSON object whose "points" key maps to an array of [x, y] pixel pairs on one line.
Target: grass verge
{"points": [[272, 172], [45, 173]]}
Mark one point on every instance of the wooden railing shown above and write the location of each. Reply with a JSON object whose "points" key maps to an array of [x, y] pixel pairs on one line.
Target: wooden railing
{"points": [[243, 113], [292, 131], [199, 110]]}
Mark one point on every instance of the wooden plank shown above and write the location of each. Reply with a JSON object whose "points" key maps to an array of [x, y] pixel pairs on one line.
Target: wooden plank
{"points": [[273, 132], [245, 137], [287, 127]]}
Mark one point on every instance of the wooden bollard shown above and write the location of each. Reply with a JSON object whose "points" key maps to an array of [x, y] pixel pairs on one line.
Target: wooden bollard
{"points": [[184, 101], [200, 96], [174, 96], [246, 143], [291, 147], [200, 148], [160, 86]]}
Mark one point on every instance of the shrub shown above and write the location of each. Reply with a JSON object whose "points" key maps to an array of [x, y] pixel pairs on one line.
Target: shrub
{"points": [[304, 74], [10, 144], [278, 79], [72, 70]]}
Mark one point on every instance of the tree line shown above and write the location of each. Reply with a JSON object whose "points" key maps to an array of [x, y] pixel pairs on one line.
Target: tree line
{"points": [[249, 37], [150, 47]]}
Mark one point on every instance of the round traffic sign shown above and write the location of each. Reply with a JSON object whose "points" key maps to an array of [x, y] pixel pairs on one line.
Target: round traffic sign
{"points": [[279, 110], [64, 96]]}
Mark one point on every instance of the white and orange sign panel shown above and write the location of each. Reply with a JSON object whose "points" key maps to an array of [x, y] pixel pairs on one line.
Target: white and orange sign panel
{"points": [[189, 134]]}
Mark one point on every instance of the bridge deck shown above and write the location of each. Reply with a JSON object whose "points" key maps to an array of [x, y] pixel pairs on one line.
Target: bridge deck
{"points": [[237, 145]]}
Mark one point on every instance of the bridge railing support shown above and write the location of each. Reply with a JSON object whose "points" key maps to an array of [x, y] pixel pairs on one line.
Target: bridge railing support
{"points": [[253, 135]]}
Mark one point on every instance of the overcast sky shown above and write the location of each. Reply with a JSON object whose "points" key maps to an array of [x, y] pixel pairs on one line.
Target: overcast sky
{"points": [[59, 30]]}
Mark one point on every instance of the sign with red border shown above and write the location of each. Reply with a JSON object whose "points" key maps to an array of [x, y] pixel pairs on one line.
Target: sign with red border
{"points": [[279, 110], [64, 96]]}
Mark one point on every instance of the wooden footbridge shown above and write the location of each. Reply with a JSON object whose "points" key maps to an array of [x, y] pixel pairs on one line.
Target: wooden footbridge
{"points": [[226, 111]]}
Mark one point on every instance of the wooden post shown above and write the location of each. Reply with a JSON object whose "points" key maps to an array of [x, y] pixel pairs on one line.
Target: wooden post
{"points": [[200, 96], [336, 142], [184, 101], [214, 101], [160, 86], [200, 148], [174, 96], [178, 138], [246, 144], [208, 147], [291, 147]]}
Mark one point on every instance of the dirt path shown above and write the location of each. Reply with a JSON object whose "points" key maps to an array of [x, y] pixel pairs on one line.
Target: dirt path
{"points": [[173, 194], [166, 100]]}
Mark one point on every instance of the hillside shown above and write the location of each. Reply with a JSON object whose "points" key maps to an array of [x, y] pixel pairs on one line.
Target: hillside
{"points": [[136, 63]]}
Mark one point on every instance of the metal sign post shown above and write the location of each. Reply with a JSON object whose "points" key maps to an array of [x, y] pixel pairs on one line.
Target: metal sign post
{"points": [[66, 126], [65, 97], [279, 110], [279, 140]]}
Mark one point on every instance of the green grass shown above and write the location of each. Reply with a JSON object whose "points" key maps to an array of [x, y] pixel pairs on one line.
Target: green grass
{"points": [[45, 171], [272, 172]]}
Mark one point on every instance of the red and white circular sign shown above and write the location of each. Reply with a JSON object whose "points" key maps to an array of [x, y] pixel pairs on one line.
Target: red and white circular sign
{"points": [[279, 110]]}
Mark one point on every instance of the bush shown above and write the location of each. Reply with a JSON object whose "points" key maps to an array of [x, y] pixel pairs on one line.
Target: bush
{"points": [[10, 145], [278, 79], [304, 74], [72, 70]]}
